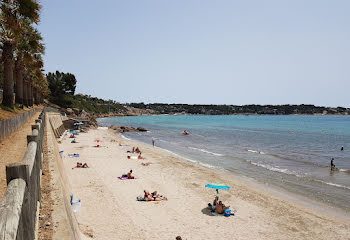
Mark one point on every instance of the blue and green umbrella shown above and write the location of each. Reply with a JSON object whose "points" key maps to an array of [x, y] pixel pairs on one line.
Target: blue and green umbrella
{"points": [[217, 186]]}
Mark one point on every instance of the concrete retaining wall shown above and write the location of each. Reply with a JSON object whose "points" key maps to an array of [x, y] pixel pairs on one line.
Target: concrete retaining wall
{"points": [[8, 126], [62, 181], [19, 206]]}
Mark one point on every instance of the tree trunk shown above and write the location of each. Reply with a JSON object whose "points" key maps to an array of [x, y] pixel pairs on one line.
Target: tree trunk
{"points": [[30, 95], [19, 70], [7, 55], [25, 93], [36, 96]]}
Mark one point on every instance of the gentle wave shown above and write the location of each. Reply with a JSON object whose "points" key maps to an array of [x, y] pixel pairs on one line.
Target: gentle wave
{"points": [[332, 184], [206, 151], [253, 151], [344, 170], [179, 156], [125, 137], [188, 159], [275, 169]]}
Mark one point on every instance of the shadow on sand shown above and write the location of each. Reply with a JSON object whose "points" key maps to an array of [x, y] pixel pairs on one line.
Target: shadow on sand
{"points": [[207, 212]]}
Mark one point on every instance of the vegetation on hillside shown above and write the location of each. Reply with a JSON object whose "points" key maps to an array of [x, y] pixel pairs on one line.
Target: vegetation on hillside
{"points": [[162, 108], [62, 87]]}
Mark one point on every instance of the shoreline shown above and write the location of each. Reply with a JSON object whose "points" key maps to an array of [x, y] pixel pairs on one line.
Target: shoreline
{"points": [[96, 116], [299, 199], [105, 199]]}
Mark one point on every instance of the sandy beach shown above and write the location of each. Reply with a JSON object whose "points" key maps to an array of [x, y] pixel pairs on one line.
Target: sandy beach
{"points": [[109, 209]]}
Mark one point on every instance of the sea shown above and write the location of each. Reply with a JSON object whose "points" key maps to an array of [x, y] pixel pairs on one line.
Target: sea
{"points": [[290, 152]]}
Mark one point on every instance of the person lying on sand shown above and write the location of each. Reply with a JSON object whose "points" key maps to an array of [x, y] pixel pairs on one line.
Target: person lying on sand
{"points": [[140, 157], [220, 208], [71, 136], [146, 164], [81, 165], [74, 141], [153, 196]]}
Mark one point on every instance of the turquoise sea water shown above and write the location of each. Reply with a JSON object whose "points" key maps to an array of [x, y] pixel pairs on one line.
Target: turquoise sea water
{"points": [[291, 152]]}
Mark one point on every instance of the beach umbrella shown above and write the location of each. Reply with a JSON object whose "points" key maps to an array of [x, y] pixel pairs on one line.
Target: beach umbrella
{"points": [[217, 186], [79, 123]]}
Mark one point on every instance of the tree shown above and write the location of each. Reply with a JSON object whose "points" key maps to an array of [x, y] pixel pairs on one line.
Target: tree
{"points": [[28, 52], [69, 83], [61, 85], [12, 13]]}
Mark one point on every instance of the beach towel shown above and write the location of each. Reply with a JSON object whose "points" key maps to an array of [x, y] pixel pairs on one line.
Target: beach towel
{"points": [[74, 155], [125, 178], [140, 198]]}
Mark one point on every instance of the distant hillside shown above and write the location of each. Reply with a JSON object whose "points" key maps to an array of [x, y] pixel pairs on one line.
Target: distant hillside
{"points": [[89, 104], [160, 108]]}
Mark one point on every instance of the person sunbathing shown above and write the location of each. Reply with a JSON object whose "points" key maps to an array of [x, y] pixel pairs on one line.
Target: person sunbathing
{"points": [[137, 150], [129, 176], [220, 207], [153, 196], [145, 164], [71, 136], [140, 157], [81, 165], [147, 196]]}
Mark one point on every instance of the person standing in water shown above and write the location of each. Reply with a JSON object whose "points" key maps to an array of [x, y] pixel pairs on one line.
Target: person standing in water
{"points": [[153, 142], [332, 164], [342, 149]]}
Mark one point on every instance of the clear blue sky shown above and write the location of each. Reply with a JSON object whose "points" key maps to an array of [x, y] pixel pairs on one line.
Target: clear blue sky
{"points": [[203, 51]]}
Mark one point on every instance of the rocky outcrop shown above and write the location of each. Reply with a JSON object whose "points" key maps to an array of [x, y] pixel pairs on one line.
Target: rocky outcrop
{"points": [[141, 129], [122, 129]]}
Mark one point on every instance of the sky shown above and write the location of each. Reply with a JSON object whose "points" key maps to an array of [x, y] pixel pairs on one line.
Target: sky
{"points": [[202, 51]]}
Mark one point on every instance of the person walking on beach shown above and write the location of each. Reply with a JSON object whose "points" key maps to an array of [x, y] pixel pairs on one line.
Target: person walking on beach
{"points": [[153, 142], [332, 164]]}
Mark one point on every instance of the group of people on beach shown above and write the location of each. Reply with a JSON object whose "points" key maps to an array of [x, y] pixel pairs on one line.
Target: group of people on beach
{"points": [[218, 206], [136, 150]]}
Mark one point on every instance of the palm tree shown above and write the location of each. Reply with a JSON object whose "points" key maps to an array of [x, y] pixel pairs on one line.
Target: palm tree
{"points": [[29, 46], [34, 78], [12, 12]]}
